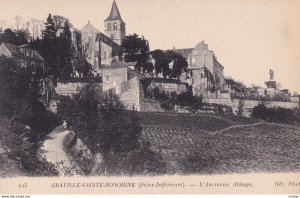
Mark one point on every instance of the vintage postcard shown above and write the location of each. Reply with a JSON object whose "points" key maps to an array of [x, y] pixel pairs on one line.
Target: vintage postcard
{"points": [[149, 97]]}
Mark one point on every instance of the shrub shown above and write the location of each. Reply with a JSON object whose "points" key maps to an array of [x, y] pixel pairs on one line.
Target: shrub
{"points": [[240, 109], [275, 114], [101, 121], [20, 145]]}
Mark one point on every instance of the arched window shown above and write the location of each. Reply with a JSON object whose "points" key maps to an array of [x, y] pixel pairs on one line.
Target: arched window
{"points": [[108, 26], [115, 26]]}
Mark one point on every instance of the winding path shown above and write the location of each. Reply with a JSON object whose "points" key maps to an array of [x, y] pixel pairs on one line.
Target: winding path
{"points": [[54, 152], [236, 126]]}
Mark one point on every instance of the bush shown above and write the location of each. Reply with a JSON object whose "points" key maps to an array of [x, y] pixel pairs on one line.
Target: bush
{"points": [[19, 145], [100, 121], [276, 114]]}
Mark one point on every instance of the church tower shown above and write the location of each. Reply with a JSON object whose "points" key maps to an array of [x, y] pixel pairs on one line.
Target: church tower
{"points": [[114, 25]]}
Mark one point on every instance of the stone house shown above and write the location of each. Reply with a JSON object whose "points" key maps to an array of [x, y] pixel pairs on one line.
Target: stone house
{"points": [[205, 74], [24, 56], [113, 76]]}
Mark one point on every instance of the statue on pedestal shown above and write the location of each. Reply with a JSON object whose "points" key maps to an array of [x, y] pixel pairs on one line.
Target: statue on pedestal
{"points": [[271, 72]]}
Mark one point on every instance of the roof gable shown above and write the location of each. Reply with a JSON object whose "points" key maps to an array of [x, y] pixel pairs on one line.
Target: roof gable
{"points": [[89, 28], [15, 50], [11, 48]]}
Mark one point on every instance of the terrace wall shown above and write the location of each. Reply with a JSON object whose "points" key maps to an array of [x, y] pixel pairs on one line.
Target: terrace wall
{"points": [[67, 89], [130, 93], [250, 104]]}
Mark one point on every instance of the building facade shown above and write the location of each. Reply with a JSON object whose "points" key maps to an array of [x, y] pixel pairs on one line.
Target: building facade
{"points": [[101, 48], [205, 74], [115, 28], [24, 56]]}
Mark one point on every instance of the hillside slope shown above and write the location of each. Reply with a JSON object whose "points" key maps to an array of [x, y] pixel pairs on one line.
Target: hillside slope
{"points": [[211, 144]]}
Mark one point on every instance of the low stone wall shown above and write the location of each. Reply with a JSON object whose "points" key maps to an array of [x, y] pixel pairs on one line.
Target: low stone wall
{"points": [[79, 152], [67, 89], [130, 94], [250, 104], [148, 105]]}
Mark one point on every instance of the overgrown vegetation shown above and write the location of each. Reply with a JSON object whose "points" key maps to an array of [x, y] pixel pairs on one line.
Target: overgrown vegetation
{"points": [[276, 114], [24, 119], [170, 100], [163, 60], [241, 91], [102, 122], [106, 127]]}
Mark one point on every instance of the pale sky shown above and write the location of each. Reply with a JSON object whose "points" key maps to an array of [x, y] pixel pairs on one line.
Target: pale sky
{"points": [[248, 36]]}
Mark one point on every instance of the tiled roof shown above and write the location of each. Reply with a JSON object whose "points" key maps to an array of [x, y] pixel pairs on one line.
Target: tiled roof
{"points": [[216, 62], [14, 49], [89, 25], [133, 73], [114, 13]]}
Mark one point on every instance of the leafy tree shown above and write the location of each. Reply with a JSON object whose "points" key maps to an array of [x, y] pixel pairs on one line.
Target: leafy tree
{"points": [[18, 37], [161, 62], [23, 36], [276, 114], [59, 22], [136, 48], [179, 63]]}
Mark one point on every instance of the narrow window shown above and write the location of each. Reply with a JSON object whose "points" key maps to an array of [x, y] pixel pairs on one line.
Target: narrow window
{"points": [[115, 26], [108, 26]]}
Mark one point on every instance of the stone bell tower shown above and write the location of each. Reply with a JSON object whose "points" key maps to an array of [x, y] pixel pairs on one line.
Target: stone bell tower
{"points": [[114, 25]]}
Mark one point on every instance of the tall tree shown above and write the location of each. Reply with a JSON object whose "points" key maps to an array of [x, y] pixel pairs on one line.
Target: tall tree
{"points": [[179, 63], [49, 48], [8, 36], [49, 33], [136, 48], [161, 63], [17, 37], [66, 52]]}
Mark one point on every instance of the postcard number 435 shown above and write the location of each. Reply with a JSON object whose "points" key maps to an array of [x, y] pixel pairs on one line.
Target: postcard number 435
{"points": [[24, 185]]}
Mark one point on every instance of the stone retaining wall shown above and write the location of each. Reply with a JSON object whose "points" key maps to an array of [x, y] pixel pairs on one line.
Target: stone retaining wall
{"points": [[250, 104]]}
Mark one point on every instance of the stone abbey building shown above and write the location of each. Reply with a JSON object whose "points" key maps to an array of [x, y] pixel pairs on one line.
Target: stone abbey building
{"points": [[101, 48], [205, 74]]}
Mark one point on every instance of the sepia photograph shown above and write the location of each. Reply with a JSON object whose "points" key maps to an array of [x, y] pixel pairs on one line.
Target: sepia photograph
{"points": [[182, 96]]}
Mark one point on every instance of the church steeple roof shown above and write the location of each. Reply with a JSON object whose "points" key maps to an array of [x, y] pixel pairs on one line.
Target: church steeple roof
{"points": [[114, 13]]}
